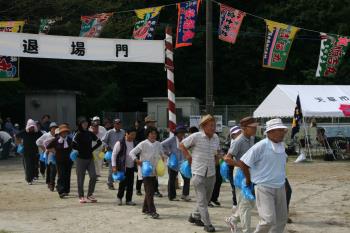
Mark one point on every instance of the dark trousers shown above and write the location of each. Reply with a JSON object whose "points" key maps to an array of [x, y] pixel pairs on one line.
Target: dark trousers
{"points": [[42, 166], [138, 184], [127, 184], [234, 199], [217, 186], [172, 184], [51, 172], [288, 192], [36, 166], [64, 173], [29, 166], [83, 165], [148, 204], [6, 149]]}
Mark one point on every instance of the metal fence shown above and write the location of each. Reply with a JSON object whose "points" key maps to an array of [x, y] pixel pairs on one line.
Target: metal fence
{"points": [[232, 112]]}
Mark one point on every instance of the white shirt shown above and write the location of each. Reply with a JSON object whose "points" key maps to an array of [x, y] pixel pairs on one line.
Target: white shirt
{"points": [[5, 137], [148, 151], [267, 162], [45, 139], [129, 161], [203, 153]]}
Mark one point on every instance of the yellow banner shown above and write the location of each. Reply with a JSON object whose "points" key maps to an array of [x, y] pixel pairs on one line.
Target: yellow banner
{"points": [[9, 66], [153, 11], [11, 26]]}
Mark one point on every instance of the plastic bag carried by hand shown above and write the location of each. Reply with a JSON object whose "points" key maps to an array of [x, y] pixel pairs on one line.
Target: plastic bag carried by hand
{"points": [[173, 162], [51, 159], [239, 176], [247, 190], [160, 168], [101, 155], [185, 169], [73, 155], [20, 149], [146, 168], [108, 155], [118, 176], [224, 171], [42, 157]]}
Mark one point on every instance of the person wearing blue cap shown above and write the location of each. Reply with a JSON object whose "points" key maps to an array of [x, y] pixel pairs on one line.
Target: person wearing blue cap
{"points": [[171, 146]]}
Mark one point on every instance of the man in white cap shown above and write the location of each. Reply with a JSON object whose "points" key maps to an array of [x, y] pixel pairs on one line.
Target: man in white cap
{"points": [[205, 147], [101, 130], [264, 165]]}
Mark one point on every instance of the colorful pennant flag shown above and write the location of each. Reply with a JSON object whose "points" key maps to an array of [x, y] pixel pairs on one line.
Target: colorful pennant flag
{"points": [[45, 25], [230, 22], [278, 41], [145, 27], [333, 49], [186, 23], [345, 108], [91, 26], [9, 66], [297, 119]]}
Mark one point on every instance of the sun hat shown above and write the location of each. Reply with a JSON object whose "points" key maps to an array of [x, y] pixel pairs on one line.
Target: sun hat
{"points": [[96, 118], [149, 119], [275, 124], [63, 128], [205, 119], [235, 129]]}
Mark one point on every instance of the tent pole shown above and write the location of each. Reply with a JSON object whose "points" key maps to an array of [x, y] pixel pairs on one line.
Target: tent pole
{"points": [[307, 144]]}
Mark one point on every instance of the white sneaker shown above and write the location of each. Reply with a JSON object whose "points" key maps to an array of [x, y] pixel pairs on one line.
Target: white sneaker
{"points": [[231, 224], [234, 209]]}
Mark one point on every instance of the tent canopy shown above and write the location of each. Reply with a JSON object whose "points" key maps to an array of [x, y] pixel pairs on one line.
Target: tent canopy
{"points": [[315, 100]]}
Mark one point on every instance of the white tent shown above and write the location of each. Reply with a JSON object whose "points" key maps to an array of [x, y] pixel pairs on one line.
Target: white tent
{"points": [[316, 101]]}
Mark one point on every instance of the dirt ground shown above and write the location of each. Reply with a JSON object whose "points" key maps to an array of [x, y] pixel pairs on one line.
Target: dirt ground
{"points": [[320, 203]]}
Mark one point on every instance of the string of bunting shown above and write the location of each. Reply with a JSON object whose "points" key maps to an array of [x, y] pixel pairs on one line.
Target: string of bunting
{"points": [[278, 37]]}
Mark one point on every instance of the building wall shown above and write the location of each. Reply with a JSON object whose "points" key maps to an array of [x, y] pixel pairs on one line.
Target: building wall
{"points": [[61, 107]]}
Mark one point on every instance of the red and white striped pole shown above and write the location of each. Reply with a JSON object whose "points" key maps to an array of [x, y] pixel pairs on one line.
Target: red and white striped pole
{"points": [[169, 65]]}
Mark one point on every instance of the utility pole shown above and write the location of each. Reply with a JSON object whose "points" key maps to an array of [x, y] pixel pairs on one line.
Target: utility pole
{"points": [[209, 105]]}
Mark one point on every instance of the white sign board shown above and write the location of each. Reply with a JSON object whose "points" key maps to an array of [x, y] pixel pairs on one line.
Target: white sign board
{"points": [[81, 48], [195, 120]]}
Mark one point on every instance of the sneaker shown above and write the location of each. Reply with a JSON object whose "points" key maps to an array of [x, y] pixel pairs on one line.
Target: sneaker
{"points": [[30, 183], [217, 203], [191, 219], [154, 215], [173, 199], [138, 193], [289, 221], [82, 200], [65, 194], [146, 212], [158, 194], [211, 204], [209, 228], [185, 198], [234, 208], [61, 195], [130, 203], [119, 201], [199, 223], [231, 224], [92, 199], [111, 187]]}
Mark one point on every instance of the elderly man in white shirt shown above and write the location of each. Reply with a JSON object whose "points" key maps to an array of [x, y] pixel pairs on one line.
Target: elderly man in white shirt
{"points": [[205, 147], [264, 165]]}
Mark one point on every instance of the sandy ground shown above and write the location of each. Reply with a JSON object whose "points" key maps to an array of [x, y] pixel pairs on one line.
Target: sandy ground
{"points": [[320, 203]]}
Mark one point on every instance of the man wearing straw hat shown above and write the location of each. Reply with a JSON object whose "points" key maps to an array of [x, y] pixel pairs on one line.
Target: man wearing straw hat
{"points": [[205, 147], [264, 165]]}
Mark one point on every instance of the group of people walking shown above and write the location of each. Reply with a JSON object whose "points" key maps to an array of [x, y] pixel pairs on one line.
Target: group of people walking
{"points": [[263, 164]]}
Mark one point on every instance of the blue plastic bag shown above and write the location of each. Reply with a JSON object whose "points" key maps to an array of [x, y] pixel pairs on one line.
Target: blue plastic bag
{"points": [[51, 159], [185, 169], [108, 155], [20, 149], [239, 176], [173, 163], [224, 171], [247, 191], [118, 176], [146, 168], [73, 155], [42, 157]]}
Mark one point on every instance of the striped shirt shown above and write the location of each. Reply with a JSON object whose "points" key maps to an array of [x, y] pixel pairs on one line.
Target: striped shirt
{"points": [[203, 153]]}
